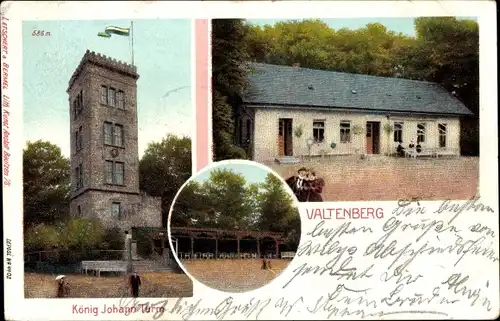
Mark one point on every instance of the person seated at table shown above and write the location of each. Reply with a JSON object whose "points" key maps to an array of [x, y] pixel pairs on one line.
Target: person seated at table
{"points": [[400, 150]]}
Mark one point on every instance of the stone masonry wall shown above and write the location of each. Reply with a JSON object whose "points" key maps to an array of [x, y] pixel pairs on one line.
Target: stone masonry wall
{"points": [[96, 196]]}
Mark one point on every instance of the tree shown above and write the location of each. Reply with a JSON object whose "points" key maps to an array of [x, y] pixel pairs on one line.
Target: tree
{"points": [[313, 44], [278, 213], [227, 194], [276, 206], [165, 166], [46, 183], [190, 206], [78, 233], [41, 237], [445, 50], [229, 81], [226, 201]]}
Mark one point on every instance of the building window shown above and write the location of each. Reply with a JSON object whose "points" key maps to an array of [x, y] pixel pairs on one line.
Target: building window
{"points": [[112, 97], [319, 131], [442, 135], [398, 132], [420, 133], [79, 211], [80, 99], [77, 104], [113, 134], [345, 131], [108, 133], [114, 172], [116, 210], [104, 95], [118, 135], [79, 176], [120, 99], [79, 139], [109, 172], [75, 111]]}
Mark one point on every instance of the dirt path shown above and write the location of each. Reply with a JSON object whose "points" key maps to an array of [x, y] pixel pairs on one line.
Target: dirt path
{"points": [[160, 284], [234, 275]]}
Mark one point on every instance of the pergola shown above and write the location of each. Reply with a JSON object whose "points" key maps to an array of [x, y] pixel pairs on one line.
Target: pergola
{"points": [[216, 234], [194, 233]]}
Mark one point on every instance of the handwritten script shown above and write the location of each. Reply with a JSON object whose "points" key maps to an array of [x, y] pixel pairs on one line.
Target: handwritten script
{"points": [[420, 261]]}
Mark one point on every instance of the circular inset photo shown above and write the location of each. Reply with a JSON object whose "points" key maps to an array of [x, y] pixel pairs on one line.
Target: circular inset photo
{"points": [[234, 226]]}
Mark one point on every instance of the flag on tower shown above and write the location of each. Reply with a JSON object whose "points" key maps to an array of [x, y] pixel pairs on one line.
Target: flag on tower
{"points": [[108, 31]]}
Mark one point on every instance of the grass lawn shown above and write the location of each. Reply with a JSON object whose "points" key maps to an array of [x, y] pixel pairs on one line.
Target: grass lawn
{"points": [[159, 284], [234, 275]]}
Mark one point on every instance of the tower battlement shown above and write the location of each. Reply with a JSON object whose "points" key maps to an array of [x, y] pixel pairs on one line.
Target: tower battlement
{"points": [[105, 62]]}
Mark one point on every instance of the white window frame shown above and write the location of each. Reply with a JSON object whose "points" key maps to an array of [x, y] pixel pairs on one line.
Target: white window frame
{"points": [[343, 130], [319, 126], [443, 133], [398, 130], [421, 132]]}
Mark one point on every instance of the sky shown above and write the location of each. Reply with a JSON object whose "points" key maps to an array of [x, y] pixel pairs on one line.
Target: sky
{"points": [[253, 174], [403, 25], [162, 54]]}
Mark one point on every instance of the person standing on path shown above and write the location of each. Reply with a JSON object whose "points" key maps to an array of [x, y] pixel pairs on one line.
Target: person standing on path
{"points": [[135, 284], [62, 287]]}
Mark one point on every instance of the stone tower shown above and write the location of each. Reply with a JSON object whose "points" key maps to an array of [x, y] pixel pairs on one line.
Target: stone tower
{"points": [[104, 146]]}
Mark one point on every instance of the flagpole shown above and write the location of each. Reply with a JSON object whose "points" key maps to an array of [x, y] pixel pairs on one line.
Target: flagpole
{"points": [[132, 36]]}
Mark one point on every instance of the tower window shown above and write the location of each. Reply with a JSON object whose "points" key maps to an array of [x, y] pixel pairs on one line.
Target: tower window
{"points": [[75, 111], [79, 139], [120, 99], [113, 134], [79, 176], [77, 104], [112, 97], [116, 210], [104, 95], [118, 135], [114, 172], [108, 133]]}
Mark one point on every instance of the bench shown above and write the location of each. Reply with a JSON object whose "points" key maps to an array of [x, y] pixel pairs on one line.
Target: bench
{"points": [[103, 266], [424, 152], [445, 152], [430, 152], [287, 255]]}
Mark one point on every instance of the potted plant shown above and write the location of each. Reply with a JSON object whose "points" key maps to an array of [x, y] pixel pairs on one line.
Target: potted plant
{"points": [[388, 129]]}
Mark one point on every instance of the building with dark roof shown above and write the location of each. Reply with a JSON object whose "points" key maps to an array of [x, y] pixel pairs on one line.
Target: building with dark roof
{"points": [[292, 111]]}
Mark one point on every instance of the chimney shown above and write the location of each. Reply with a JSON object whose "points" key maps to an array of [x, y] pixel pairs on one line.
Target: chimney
{"points": [[296, 66]]}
